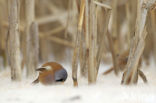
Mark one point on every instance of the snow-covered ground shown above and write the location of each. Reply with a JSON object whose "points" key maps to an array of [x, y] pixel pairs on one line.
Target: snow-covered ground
{"points": [[107, 90]]}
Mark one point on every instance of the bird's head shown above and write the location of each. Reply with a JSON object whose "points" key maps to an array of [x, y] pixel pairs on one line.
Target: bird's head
{"points": [[60, 75]]}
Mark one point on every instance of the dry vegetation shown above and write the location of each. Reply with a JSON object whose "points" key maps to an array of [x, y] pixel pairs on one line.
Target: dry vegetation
{"points": [[33, 31]]}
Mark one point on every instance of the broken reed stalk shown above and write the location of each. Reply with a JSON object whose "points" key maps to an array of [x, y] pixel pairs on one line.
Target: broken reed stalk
{"points": [[13, 43], [31, 38], [77, 44], [137, 43]]}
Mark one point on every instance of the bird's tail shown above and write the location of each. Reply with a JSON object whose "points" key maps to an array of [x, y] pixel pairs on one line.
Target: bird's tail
{"points": [[35, 81]]}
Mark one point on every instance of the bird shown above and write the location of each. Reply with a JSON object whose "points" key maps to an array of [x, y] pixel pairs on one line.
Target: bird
{"points": [[122, 60], [51, 73]]}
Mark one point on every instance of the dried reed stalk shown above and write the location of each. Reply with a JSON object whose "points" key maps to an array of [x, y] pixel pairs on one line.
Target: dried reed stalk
{"points": [[60, 41], [52, 32], [51, 18], [83, 65], [153, 26], [13, 43], [70, 2], [3, 34], [32, 49], [92, 72], [115, 47], [44, 48], [105, 14], [138, 42], [84, 47], [77, 44], [31, 38]]}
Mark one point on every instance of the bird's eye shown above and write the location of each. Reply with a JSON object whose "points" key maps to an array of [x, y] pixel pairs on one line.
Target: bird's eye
{"points": [[60, 80]]}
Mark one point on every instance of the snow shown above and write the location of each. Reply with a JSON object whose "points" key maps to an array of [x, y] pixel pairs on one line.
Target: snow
{"points": [[106, 90]]}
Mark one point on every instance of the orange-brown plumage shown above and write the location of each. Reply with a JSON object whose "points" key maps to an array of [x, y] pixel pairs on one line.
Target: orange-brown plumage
{"points": [[54, 65], [51, 73]]}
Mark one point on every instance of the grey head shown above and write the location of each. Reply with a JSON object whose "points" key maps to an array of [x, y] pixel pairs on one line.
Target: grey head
{"points": [[61, 75]]}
